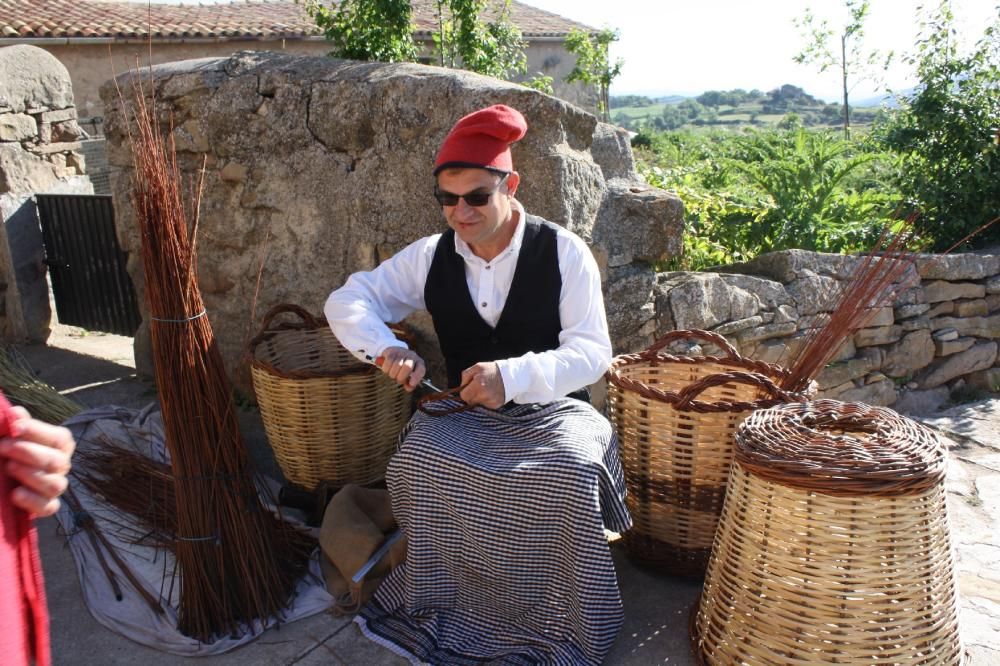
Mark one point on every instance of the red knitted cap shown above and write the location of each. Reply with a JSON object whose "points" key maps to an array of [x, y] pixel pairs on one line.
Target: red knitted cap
{"points": [[482, 139]]}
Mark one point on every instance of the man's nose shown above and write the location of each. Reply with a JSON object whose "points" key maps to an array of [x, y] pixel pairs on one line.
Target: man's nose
{"points": [[463, 209]]}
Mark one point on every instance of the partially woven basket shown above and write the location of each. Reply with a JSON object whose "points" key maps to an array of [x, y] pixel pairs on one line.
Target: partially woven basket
{"points": [[675, 417], [834, 545], [328, 416]]}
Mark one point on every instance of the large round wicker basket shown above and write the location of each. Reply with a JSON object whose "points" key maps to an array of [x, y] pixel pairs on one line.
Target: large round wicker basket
{"points": [[328, 416], [675, 417], [833, 546]]}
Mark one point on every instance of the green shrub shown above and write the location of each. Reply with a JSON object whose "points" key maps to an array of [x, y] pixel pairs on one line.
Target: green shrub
{"points": [[948, 135], [760, 191]]}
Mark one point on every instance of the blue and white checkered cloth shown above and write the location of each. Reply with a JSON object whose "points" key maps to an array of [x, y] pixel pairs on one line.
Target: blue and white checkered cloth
{"points": [[507, 558]]}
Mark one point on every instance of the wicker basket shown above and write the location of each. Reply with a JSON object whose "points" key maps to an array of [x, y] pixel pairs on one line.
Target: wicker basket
{"points": [[675, 417], [833, 546], [328, 416]]}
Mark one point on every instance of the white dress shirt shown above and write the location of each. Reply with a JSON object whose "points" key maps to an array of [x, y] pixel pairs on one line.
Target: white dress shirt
{"points": [[357, 311]]}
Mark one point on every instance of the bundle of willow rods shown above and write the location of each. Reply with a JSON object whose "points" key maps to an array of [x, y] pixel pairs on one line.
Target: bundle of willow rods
{"points": [[144, 490], [134, 485], [19, 383], [233, 557], [873, 283]]}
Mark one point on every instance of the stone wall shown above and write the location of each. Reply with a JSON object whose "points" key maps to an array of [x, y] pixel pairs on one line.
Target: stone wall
{"points": [[92, 64], [98, 169], [317, 168], [940, 332], [39, 153]]}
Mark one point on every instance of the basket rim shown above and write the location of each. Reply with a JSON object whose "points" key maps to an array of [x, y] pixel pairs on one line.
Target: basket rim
{"points": [[746, 371], [797, 445], [308, 322], [358, 368]]}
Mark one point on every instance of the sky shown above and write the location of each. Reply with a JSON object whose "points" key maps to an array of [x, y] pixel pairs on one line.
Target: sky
{"points": [[687, 47]]}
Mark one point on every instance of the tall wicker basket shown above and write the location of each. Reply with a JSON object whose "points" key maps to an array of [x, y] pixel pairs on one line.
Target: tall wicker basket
{"points": [[834, 545], [675, 417], [328, 416]]}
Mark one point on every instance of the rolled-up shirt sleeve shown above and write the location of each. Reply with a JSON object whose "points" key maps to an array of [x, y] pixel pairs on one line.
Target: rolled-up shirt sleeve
{"points": [[358, 311], [584, 351]]}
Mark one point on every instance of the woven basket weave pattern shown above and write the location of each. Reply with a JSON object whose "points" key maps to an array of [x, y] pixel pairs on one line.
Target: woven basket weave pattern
{"points": [[327, 416], [677, 451], [800, 576], [676, 463]]}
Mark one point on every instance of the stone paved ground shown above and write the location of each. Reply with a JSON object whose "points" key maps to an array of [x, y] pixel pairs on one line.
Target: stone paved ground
{"points": [[974, 510], [97, 369]]}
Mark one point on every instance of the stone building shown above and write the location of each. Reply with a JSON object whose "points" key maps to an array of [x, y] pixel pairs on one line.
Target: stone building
{"points": [[40, 152], [95, 39]]}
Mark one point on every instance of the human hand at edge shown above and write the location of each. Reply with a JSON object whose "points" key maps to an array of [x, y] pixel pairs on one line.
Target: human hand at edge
{"points": [[483, 385], [37, 455], [402, 365]]}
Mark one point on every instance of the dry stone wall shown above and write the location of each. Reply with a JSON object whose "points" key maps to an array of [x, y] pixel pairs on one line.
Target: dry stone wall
{"points": [[940, 332], [318, 167], [40, 152]]}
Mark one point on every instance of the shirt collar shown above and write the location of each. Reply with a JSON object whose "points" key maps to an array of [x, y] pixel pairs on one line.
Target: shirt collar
{"points": [[514, 247]]}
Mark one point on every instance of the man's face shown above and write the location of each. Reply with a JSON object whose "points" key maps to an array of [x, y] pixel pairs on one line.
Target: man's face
{"points": [[482, 227]]}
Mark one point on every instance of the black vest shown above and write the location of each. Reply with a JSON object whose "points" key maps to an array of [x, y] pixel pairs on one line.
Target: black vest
{"points": [[530, 318]]}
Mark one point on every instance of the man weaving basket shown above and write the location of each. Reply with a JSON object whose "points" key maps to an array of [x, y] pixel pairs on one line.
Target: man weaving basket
{"points": [[503, 506]]}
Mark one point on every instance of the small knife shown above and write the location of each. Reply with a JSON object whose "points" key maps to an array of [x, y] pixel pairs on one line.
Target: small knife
{"points": [[425, 383], [373, 560]]}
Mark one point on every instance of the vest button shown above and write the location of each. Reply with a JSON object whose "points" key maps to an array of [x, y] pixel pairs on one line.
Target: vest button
{"points": [[494, 339]]}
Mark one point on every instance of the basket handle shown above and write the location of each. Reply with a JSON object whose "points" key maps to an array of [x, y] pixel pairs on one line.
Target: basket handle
{"points": [[308, 321], [694, 334], [687, 395]]}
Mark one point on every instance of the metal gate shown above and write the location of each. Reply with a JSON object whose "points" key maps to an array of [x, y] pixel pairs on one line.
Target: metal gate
{"points": [[87, 267]]}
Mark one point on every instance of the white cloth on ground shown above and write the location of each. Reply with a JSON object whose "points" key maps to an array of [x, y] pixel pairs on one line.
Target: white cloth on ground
{"points": [[132, 617]]}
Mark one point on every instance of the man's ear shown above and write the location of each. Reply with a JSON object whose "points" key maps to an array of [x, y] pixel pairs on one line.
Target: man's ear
{"points": [[513, 180]]}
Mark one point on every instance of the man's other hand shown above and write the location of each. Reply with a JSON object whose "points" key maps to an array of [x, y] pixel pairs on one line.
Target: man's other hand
{"points": [[483, 386], [37, 455], [403, 365]]}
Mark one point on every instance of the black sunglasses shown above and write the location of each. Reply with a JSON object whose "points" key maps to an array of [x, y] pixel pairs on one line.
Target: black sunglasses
{"points": [[474, 199]]}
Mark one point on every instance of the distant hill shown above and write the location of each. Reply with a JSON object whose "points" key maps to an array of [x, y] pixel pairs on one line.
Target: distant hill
{"points": [[670, 99], [733, 109]]}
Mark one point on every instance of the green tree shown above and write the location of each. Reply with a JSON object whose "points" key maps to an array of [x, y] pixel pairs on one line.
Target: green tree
{"points": [[855, 64], [379, 30], [690, 108], [593, 65], [711, 98], [630, 100], [672, 117], [948, 132], [382, 30], [465, 40], [540, 82]]}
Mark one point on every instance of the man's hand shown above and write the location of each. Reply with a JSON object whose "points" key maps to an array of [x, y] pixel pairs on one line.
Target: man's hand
{"points": [[483, 385], [403, 365], [37, 455]]}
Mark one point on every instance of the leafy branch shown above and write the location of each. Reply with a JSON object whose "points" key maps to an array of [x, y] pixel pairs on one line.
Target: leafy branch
{"points": [[593, 65]]}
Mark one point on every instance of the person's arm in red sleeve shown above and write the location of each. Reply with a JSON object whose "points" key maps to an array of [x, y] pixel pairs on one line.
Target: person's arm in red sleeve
{"points": [[34, 461]]}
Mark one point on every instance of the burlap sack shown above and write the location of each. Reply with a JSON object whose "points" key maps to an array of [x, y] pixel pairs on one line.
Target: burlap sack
{"points": [[355, 524]]}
